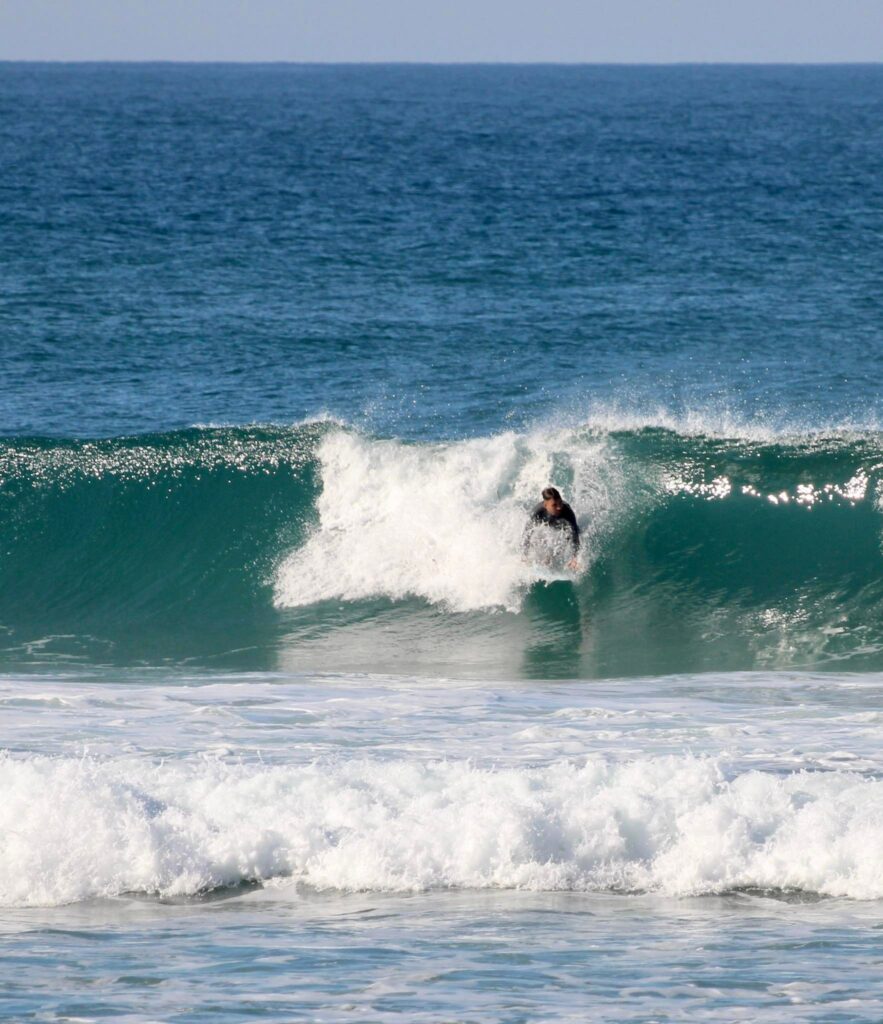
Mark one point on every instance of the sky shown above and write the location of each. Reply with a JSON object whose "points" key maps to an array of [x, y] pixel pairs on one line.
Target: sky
{"points": [[614, 31]]}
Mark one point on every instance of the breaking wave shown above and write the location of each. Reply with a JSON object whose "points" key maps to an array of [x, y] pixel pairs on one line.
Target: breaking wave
{"points": [[754, 549], [669, 825]]}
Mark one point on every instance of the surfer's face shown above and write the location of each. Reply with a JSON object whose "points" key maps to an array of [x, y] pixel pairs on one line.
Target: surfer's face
{"points": [[552, 506]]}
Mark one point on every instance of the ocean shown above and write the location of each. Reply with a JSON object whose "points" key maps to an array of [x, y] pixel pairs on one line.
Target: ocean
{"points": [[290, 729]]}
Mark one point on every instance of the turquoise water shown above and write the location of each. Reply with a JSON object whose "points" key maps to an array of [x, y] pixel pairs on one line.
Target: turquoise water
{"points": [[322, 547], [290, 730]]}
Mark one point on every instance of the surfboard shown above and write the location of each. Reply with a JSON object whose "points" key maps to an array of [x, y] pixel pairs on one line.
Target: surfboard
{"points": [[551, 574]]}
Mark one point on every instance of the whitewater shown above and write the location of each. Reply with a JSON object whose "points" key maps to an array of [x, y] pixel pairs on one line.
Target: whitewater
{"points": [[232, 815], [378, 786]]}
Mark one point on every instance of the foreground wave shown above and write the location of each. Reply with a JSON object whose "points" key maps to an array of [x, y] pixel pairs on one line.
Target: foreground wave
{"points": [[670, 825], [717, 551]]}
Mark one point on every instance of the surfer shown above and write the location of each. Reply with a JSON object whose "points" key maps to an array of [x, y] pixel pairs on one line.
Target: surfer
{"points": [[555, 513]]}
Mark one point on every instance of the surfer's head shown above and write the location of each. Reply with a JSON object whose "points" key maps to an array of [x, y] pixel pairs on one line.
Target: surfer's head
{"points": [[552, 500]]}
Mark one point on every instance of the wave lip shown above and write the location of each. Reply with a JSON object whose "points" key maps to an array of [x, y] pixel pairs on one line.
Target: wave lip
{"points": [[668, 825]]}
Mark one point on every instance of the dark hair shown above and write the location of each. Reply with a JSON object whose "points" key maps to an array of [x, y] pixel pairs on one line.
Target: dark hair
{"points": [[551, 492]]}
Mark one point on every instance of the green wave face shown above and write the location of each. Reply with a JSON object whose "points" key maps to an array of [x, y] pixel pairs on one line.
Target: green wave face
{"points": [[152, 548], [318, 548]]}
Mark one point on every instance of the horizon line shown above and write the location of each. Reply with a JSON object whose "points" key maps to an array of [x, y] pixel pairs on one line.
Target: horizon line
{"points": [[440, 63]]}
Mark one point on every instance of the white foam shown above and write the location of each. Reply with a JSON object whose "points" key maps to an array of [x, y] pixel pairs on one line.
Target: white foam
{"points": [[74, 829], [442, 521]]}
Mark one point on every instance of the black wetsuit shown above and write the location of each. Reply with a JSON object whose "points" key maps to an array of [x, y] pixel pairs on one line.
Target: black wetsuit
{"points": [[565, 520]]}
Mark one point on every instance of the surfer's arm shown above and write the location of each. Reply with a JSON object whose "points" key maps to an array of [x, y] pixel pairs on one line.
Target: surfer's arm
{"points": [[573, 564], [574, 528]]}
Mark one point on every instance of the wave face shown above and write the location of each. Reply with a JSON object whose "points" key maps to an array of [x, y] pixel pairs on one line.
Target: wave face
{"points": [[318, 545], [670, 825], [154, 541]]}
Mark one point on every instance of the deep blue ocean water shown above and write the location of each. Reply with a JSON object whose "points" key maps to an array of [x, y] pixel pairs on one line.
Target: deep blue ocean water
{"points": [[291, 729]]}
